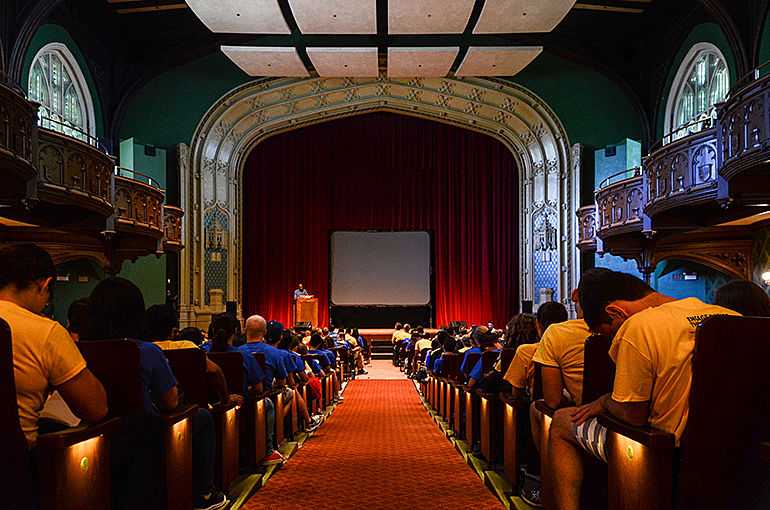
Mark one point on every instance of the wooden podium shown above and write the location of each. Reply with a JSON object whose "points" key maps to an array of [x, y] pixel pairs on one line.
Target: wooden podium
{"points": [[306, 310]]}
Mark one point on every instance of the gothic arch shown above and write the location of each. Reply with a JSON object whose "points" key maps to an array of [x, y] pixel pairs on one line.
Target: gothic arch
{"points": [[212, 166]]}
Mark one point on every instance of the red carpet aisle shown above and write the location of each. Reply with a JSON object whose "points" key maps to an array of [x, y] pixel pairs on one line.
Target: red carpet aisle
{"points": [[379, 449]]}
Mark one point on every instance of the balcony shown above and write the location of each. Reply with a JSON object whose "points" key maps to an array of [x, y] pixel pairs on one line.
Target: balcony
{"points": [[138, 205], [18, 143], [587, 228], [75, 178], [172, 229], [680, 175], [620, 204]]}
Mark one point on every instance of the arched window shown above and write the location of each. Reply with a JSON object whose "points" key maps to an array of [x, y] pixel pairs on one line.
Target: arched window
{"points": [[701, 81], [58, 84]]}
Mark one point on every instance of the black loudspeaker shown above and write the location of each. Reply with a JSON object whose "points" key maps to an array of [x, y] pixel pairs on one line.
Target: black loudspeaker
{"points": [[458, 324], [302, 326], [526, 306], [231, 307]]}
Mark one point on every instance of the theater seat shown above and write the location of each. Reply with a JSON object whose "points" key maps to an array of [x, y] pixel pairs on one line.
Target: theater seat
{"points": [[73, 465], [116, 364], [189, 367]]}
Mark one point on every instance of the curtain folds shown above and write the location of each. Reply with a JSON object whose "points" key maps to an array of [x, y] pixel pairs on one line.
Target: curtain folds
{"points": [[382, 171]]}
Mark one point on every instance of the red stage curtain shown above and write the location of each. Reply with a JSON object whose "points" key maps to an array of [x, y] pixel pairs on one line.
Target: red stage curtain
{"points": [[382, 171]]}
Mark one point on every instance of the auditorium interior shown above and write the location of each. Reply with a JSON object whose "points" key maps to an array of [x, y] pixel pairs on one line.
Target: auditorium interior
{"points": [[217, 153]]}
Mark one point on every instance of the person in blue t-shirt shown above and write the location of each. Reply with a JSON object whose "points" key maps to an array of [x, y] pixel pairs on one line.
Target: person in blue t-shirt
{"points": [[116, 310], [480, 330], [224, 329], [487, 342], [315, 347]]}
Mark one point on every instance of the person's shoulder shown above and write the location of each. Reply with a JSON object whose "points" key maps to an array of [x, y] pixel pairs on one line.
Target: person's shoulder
{"points": [[565, 330], [527, 349], [20, 316], [149, 349]]}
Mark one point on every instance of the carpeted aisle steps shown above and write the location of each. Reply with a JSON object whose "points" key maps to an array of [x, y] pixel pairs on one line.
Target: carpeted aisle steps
{"points": [[379, 449]]}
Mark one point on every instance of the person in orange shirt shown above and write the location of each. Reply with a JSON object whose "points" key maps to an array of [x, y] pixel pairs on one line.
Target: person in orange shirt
{"points": [[653, 342]]}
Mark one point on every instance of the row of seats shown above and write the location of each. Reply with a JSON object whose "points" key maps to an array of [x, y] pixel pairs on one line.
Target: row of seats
{"points": [[725, 454], [75, 463]]}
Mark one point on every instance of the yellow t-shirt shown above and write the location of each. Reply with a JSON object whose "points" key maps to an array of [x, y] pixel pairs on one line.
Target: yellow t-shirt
{"points": [[464, 349], [521, 371], [170, 345], [400, 335], [44, 356], [421, 344], [562, 346], [653, 355]]}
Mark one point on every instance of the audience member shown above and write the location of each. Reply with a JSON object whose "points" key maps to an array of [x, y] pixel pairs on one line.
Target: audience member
{"points": [[487, 342], [653, 342], [192, 334], [76, 314], [745, 297], [224, 326], [523, 335]]}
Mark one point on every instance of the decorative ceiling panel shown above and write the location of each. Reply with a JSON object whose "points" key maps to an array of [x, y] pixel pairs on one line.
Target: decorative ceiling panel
{"points": [[344, 62], [497, 61], [518, 16], [241, 16], [335, 16], [423, 62], [259, 61], [428, 16]]}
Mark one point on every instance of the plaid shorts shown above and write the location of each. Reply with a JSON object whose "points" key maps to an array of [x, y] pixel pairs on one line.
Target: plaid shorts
{"points": [[592, 437]]}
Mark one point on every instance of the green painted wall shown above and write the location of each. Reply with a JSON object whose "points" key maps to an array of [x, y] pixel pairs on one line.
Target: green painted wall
{"points": [[706, 32], [83, 275], [764, 45], [54, 33]]}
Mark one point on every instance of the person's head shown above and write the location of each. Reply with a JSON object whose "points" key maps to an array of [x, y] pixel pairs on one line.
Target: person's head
{"points": [[287, 340], [223, 329], [192, 334], [477, 332], [745, 297], [273, 332], [585, 279], [115, 310], [27, 272], [354, 333], [521, 329], [255, 328], [549, 313], [488, 341], [76, 316], [301, 349], [449, 344], [435, 344], [162, 320], [316, 341], [398, 326], [611, 298], [325, 332], [407, 328], [300, 286], [491, 324]]}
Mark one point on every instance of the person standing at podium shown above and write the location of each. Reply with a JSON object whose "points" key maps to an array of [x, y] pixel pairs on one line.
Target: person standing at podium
{"points": [[300, 292]]}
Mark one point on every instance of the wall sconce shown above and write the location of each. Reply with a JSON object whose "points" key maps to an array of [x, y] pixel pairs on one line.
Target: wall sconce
{"points": [[766, 277]]}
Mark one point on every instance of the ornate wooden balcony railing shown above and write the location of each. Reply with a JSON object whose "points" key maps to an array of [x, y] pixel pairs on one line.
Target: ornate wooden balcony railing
{"points": [[744, 128], [620, 205], [18, 141], [138, 207], [683, 172], [74, 173], [587, 228], [172, 229]]}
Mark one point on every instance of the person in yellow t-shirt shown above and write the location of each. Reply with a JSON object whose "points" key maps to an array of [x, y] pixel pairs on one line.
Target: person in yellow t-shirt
{"points": [[653, 342], [44, 355]]}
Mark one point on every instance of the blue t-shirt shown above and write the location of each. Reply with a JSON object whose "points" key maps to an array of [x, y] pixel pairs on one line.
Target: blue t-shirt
{"points": [[274, 364], [299, 365], [438, 365], [476, 372], [157, 377], [314, 366], [320, 351], [253, 373], [463, 367]]}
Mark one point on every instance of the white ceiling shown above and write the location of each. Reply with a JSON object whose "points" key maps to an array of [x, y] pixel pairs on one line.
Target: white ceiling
{"points": [[518, 16], [335, 16], [342, 62], [492, 61], [425, 62], [262, 61], [241, 16], [428, 16]]}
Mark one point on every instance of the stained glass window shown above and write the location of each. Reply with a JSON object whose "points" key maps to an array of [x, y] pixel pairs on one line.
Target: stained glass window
{"points": [[56, 83]]}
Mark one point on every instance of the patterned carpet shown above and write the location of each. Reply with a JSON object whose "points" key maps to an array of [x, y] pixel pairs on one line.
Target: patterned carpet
{"points": [[379, 449]]}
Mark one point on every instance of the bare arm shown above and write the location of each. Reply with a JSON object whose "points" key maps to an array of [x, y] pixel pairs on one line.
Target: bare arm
{"points": [[170, 400], [85, 396], [552, 388], [634, 413]]}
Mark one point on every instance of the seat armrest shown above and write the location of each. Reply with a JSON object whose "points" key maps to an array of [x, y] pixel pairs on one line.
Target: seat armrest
{"points": [[66, 438], [516, 403], [223, 408], [540, 406], [764, 451], [489, 396], [179, 414], [648, 436]]}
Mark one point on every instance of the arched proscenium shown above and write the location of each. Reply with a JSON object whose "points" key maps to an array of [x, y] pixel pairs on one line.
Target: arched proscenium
{"points": [[212, 166]]}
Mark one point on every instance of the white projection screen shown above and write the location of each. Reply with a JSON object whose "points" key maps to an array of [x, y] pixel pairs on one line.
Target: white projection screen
{"points": [[380, 268]]}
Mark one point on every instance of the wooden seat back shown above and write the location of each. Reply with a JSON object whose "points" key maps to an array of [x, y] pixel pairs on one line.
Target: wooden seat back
{"points": [[488, 360], [506, 356], [260, 357], [15, 486], [116, 364], [729, 416], [189, 367], [450, 365], [423, 354], [231, 364], [470, 362], [598, 368]]}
